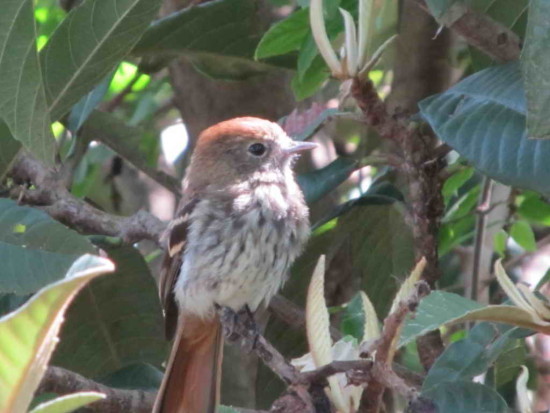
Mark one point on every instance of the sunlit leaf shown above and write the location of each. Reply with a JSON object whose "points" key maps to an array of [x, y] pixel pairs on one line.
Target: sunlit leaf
{"points": [[88, 44], [28, 335], [23, 104], [68, 403]]}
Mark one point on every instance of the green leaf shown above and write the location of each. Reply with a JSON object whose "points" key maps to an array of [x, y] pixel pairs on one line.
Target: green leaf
{"points": [[115, 321], [500, 240], [284, 36], [523, 234], [82, 110], [455, 182], [68, 403], [29, 335], [463, 396], [483, 119], [88, 44], [141, 376], [509, 363], [125, 141], [535, 64], [353, 318], [316, 184], [218, 36], [533, 208], [312, 80], [441, 308], [380, 249], [35, 249], [22, 101], [470, 357], [10, 149]]}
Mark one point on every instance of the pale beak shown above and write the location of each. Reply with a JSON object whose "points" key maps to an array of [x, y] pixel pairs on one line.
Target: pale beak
{"points": [[300, 147]]}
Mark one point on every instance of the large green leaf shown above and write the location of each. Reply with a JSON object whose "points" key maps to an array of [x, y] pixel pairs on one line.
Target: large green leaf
{"points": [[35, 249], [219, 36], [29, 335], [10, 149], [483, 119], [88, 44], [441, 308], [535, 61], [284, 36], [380, 248], [318, 183], [470, 357], [22, 101], [463, 396], [115, 321]]}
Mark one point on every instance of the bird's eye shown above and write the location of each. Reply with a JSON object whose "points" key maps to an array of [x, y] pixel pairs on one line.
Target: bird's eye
{"points": [[257, 149]]}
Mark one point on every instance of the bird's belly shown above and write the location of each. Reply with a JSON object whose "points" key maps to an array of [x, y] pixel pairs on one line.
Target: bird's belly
{"points": [[236, 268]]}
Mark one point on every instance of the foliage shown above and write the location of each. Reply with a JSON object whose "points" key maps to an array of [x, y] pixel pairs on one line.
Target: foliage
{"points": [[86, 91]]}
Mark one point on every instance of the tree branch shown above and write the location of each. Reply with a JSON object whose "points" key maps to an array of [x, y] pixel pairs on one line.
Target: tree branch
{"points": [[61, 381], [52, 196], [482, 32]]}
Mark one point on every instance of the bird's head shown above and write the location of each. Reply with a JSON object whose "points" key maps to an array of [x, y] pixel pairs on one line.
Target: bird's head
{"points": [[241, 148]]}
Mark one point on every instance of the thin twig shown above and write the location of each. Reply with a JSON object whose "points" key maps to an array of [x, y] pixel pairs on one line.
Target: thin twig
{"points": [[483, 208]]}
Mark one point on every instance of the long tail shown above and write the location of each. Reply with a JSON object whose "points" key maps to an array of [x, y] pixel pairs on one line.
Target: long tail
{"points": [[191, 382]]}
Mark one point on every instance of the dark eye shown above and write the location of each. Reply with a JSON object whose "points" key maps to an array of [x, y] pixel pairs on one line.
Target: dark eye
{"points": [[257, 149]]}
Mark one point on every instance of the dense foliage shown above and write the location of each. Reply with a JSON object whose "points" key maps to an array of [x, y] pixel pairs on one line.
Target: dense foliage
{"points": [[86, 91]]}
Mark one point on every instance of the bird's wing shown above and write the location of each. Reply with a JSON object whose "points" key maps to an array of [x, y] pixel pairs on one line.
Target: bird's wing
{"points": [[171, 265]]}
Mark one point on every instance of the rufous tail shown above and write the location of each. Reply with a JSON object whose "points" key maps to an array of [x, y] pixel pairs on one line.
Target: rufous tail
{"points": [[191, 382]]}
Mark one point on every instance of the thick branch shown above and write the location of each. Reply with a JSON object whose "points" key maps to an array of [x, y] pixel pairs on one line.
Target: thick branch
{"points": [[50, 193], [60, 381], [487, 35]]}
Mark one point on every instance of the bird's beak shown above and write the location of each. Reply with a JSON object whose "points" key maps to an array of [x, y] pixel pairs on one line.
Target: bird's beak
{"points": [[297, 147]]}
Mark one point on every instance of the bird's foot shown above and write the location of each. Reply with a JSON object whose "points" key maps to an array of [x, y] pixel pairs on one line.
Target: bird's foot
{"points": [[241, 325]]}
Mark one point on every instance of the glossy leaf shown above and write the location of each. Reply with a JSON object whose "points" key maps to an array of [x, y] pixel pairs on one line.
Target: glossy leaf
{"points": [[115, 321], [23, 104], [68, 403], [508, 364], [29, 335], [441, 308], [88, 44], [463, 396], [35, 249], [483, 119], [523, 234], [535, 63], [470, 357], [320, 182], [83, 109], [284, 36]]}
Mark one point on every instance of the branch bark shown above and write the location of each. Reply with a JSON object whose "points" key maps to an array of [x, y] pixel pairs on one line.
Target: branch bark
{"points": [[482, 32], [61, 381], [52, 196]]}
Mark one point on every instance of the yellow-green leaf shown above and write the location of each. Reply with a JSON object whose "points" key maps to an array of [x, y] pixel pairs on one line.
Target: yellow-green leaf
{"points": [[28, 335], [68, 403]]}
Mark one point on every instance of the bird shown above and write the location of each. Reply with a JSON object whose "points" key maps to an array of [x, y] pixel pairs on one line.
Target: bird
{"points": [[239, 226]]}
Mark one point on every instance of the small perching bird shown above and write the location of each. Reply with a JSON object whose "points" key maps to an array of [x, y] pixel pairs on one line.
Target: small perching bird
{"points": [[241, 223]]}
